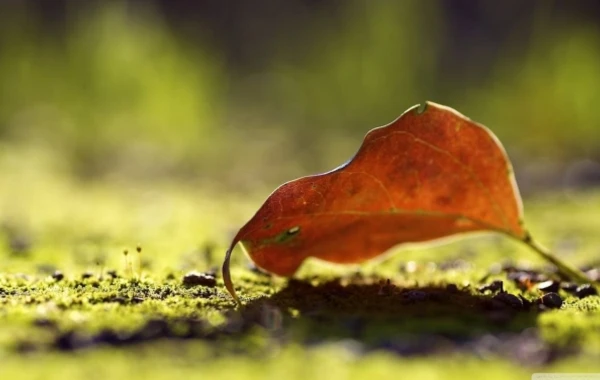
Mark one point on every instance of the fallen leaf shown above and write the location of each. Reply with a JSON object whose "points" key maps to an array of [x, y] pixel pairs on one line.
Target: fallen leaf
{"points": [[429, 174]]}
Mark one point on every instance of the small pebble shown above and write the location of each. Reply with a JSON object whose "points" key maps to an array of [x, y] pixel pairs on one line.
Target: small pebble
{"points": [[586, 290], [197, 278], [569, 287], [549, 286], [551, 300], [509, 299], [58, 275], [494, 286], [112, 273]]}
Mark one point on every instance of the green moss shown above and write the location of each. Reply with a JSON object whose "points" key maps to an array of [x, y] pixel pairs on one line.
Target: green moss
{"points": [[429, 320]]}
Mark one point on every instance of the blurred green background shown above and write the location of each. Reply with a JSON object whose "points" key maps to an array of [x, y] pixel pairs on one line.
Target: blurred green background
{"points": [[245, 95], [163, 125]]}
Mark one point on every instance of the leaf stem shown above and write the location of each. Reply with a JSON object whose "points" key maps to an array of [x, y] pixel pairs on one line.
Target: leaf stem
{"points": [[565, 269]]}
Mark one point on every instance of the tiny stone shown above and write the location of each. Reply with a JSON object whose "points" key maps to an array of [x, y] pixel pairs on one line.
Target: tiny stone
{"points": [[112, 273], [548, 286], [586, 290], [569, 287], [509, 299], [551, 300], [495, 286], [58, 275], [196, 278]]}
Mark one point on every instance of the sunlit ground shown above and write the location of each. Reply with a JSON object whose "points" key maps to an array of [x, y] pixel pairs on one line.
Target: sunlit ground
{"points": [[99, 320]]}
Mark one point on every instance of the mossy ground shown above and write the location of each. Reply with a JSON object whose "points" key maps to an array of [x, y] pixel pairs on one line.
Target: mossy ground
{"points": [[132, 317]]}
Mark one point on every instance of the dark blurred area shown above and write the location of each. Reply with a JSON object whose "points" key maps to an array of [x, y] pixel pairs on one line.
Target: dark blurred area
{"points": [[246, 94]]}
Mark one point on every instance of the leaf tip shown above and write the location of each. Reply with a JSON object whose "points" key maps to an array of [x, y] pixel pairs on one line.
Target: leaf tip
{"points": [[227, 276]]}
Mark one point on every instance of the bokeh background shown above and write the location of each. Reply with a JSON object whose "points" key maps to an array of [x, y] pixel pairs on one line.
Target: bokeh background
{"points": [[243, 95], [137, 136]]}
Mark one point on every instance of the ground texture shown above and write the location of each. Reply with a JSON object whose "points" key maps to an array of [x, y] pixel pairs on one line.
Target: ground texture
{"points": [[113, 280]]}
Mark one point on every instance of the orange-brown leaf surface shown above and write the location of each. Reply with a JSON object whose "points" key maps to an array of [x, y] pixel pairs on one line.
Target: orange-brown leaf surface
{"points": [[426, 175]]}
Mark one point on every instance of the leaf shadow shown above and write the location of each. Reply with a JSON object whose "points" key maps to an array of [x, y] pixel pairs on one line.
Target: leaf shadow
{"points": [[408, 321]]}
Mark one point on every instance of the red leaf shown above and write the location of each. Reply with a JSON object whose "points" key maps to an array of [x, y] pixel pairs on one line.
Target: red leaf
{"points": [[425, 176]]}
